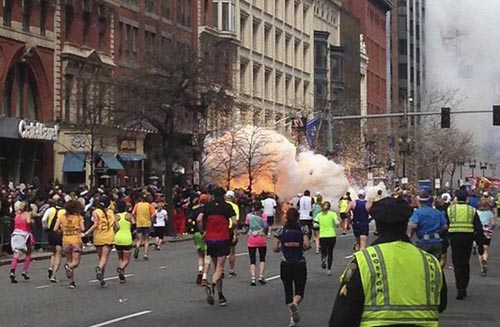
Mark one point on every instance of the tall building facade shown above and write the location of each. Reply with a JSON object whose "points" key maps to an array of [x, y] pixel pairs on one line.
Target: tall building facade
{"points": [[27, 56], [372, 17], [274, 68]]}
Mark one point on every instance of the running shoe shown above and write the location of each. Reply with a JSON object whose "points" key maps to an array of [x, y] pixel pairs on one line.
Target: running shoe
{"points": [[103, 284], [204, 282], [222, 301], [210, 295], [121, 275], [51, 272], [295, 312], [231, 274], [317, 251], [53, 279], [72, 285], [253, 282], [262, 280], [25, 275], [291, 323], [328, 272], [69, 271], [323, 263], [13, 279], [136, 253], [146, 257], [98, 274], [199, 278], [474, 249]]}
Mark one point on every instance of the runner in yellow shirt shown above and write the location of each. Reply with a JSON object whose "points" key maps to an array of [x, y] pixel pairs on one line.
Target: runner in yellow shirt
{"points": [[144, 213], [104, 229], [72, 226]]}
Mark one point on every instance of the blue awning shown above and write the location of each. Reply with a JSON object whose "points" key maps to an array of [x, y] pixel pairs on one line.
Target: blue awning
{"points": [[111, 162], [73, 162], [131, 157]]}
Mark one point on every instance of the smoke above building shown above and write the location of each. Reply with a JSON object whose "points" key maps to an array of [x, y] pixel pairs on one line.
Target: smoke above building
{"points": [[463, 54]]}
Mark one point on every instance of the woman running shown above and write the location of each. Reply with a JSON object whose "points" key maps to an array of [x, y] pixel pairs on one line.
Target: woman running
{"points": [[292, 240], [488, 221], [327, 220], [21, 240], [316, 210], [256, 224], [123, 238], [160, 221], [104, 235], [72, 225]]}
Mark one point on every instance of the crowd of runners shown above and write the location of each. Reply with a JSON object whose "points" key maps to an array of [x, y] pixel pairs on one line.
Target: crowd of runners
{"points": [[125, 218]]}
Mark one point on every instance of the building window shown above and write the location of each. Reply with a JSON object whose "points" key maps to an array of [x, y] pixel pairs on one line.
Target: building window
{"points": [[7, 12], [43, 16], [149, 38], [277, 88], [27, 6], [20, 93], [225, 15], [243, 30], [256, 81], [86, 26], [255, 32], [134, 36], [149, 6], [68, 87], [184, 12], [277, 43], [243, 76], [268, 85], [103, 24], [166, 9], [267, 40], [131, 2], [69, 13]]}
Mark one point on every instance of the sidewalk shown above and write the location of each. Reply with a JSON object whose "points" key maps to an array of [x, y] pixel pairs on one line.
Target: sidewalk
{"points": [[6, 259]]}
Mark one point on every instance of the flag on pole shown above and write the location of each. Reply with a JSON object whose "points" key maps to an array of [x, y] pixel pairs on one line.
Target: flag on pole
{"points": [[312, 131]]}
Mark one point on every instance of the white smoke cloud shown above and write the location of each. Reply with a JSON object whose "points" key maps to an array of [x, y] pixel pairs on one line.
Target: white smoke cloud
{"points": [[463, 53]]}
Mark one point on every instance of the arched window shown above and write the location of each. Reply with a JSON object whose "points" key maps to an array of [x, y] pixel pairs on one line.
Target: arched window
{"points": [[20, 93]]}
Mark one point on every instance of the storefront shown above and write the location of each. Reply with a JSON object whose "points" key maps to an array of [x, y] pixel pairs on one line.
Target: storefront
{"points": [[26, 150]]}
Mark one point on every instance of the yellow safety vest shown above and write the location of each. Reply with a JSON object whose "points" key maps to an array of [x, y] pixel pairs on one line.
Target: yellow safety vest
{"points": [[461, 218], [401, 285]]}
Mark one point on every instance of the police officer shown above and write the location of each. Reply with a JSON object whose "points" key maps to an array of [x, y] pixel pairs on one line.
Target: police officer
{"points": [[465, 227], [391, 282]]}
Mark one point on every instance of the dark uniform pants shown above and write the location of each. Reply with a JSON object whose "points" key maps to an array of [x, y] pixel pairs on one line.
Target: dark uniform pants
{"points": [[461, 248]]}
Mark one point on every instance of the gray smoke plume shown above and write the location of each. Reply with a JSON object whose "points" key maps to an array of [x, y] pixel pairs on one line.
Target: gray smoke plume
{"points": [[463, 52]]}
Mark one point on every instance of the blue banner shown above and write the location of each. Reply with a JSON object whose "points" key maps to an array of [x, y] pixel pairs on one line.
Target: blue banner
{"points": [[311, 131]]}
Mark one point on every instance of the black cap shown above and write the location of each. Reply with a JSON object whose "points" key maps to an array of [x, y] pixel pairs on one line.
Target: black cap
{"points": [[391, 211]]}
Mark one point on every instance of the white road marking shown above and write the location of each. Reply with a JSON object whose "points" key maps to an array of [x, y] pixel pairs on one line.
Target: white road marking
{"points": [[43, 286], [273, 278], [162, 267], [240, 254], [348, 256], [112, 321], [109, 278]]}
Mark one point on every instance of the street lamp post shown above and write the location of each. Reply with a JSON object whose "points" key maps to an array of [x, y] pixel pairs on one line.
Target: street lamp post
{"points": [[472, 165], [404, 149], [483, 166]]}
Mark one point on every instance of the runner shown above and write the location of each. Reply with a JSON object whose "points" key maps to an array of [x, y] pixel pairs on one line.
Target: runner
{"points": [[104, 235], [360, 222], [327, 220], [72, 226], [144, 213], [488, 221], [344, 214], [21, 240], [269, 206], [305, 212], [55, 240], [315, 211], [199, 242], [214, 221], [123, 238], [292, 240], [230, 197], [256, 225], [160, 221]]}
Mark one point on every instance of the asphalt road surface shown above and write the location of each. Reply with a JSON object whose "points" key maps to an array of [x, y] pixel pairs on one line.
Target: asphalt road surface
{"points": [[162, 292]]}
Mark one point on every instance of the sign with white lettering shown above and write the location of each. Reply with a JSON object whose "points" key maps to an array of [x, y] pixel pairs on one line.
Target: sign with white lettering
{"points": [[37, 131]]}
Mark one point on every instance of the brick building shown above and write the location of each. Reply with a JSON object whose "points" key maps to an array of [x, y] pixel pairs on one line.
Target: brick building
{"points": [[27, 48], [372, 17]]}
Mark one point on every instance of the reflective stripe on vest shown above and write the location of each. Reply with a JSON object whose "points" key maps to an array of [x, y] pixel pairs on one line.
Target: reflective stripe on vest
{"points": [[401, 285], [461, 218]]}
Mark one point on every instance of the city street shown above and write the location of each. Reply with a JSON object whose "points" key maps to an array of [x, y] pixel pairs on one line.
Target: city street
{"points": [[162, 292]]}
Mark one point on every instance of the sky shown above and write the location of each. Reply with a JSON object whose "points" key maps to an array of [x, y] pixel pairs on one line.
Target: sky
{"points": [[463, 53]]}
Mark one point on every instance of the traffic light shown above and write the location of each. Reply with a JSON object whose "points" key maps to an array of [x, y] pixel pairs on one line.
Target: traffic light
{"points": [[496, 115], [445, 118]]}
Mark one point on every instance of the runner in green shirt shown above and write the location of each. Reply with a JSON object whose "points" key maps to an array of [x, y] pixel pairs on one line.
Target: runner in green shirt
{"points": [[326, 221]]}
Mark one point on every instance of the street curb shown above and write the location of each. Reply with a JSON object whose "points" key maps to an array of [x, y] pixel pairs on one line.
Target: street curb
{"points": [[47, 255]]}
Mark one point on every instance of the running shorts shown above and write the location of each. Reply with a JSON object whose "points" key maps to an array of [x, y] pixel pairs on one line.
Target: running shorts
{"points": [[218, 250], [199, 244]]}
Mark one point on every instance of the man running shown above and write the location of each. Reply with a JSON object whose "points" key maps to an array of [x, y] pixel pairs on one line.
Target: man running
{"points": [[214, 221], [230, 198], [344, 213], [305, 211], [360, 221], [269, 206], [143, 212]]}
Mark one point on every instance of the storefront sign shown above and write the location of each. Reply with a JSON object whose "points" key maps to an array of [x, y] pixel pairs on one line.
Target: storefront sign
{"points": [[128, 145], [37, 131]]}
